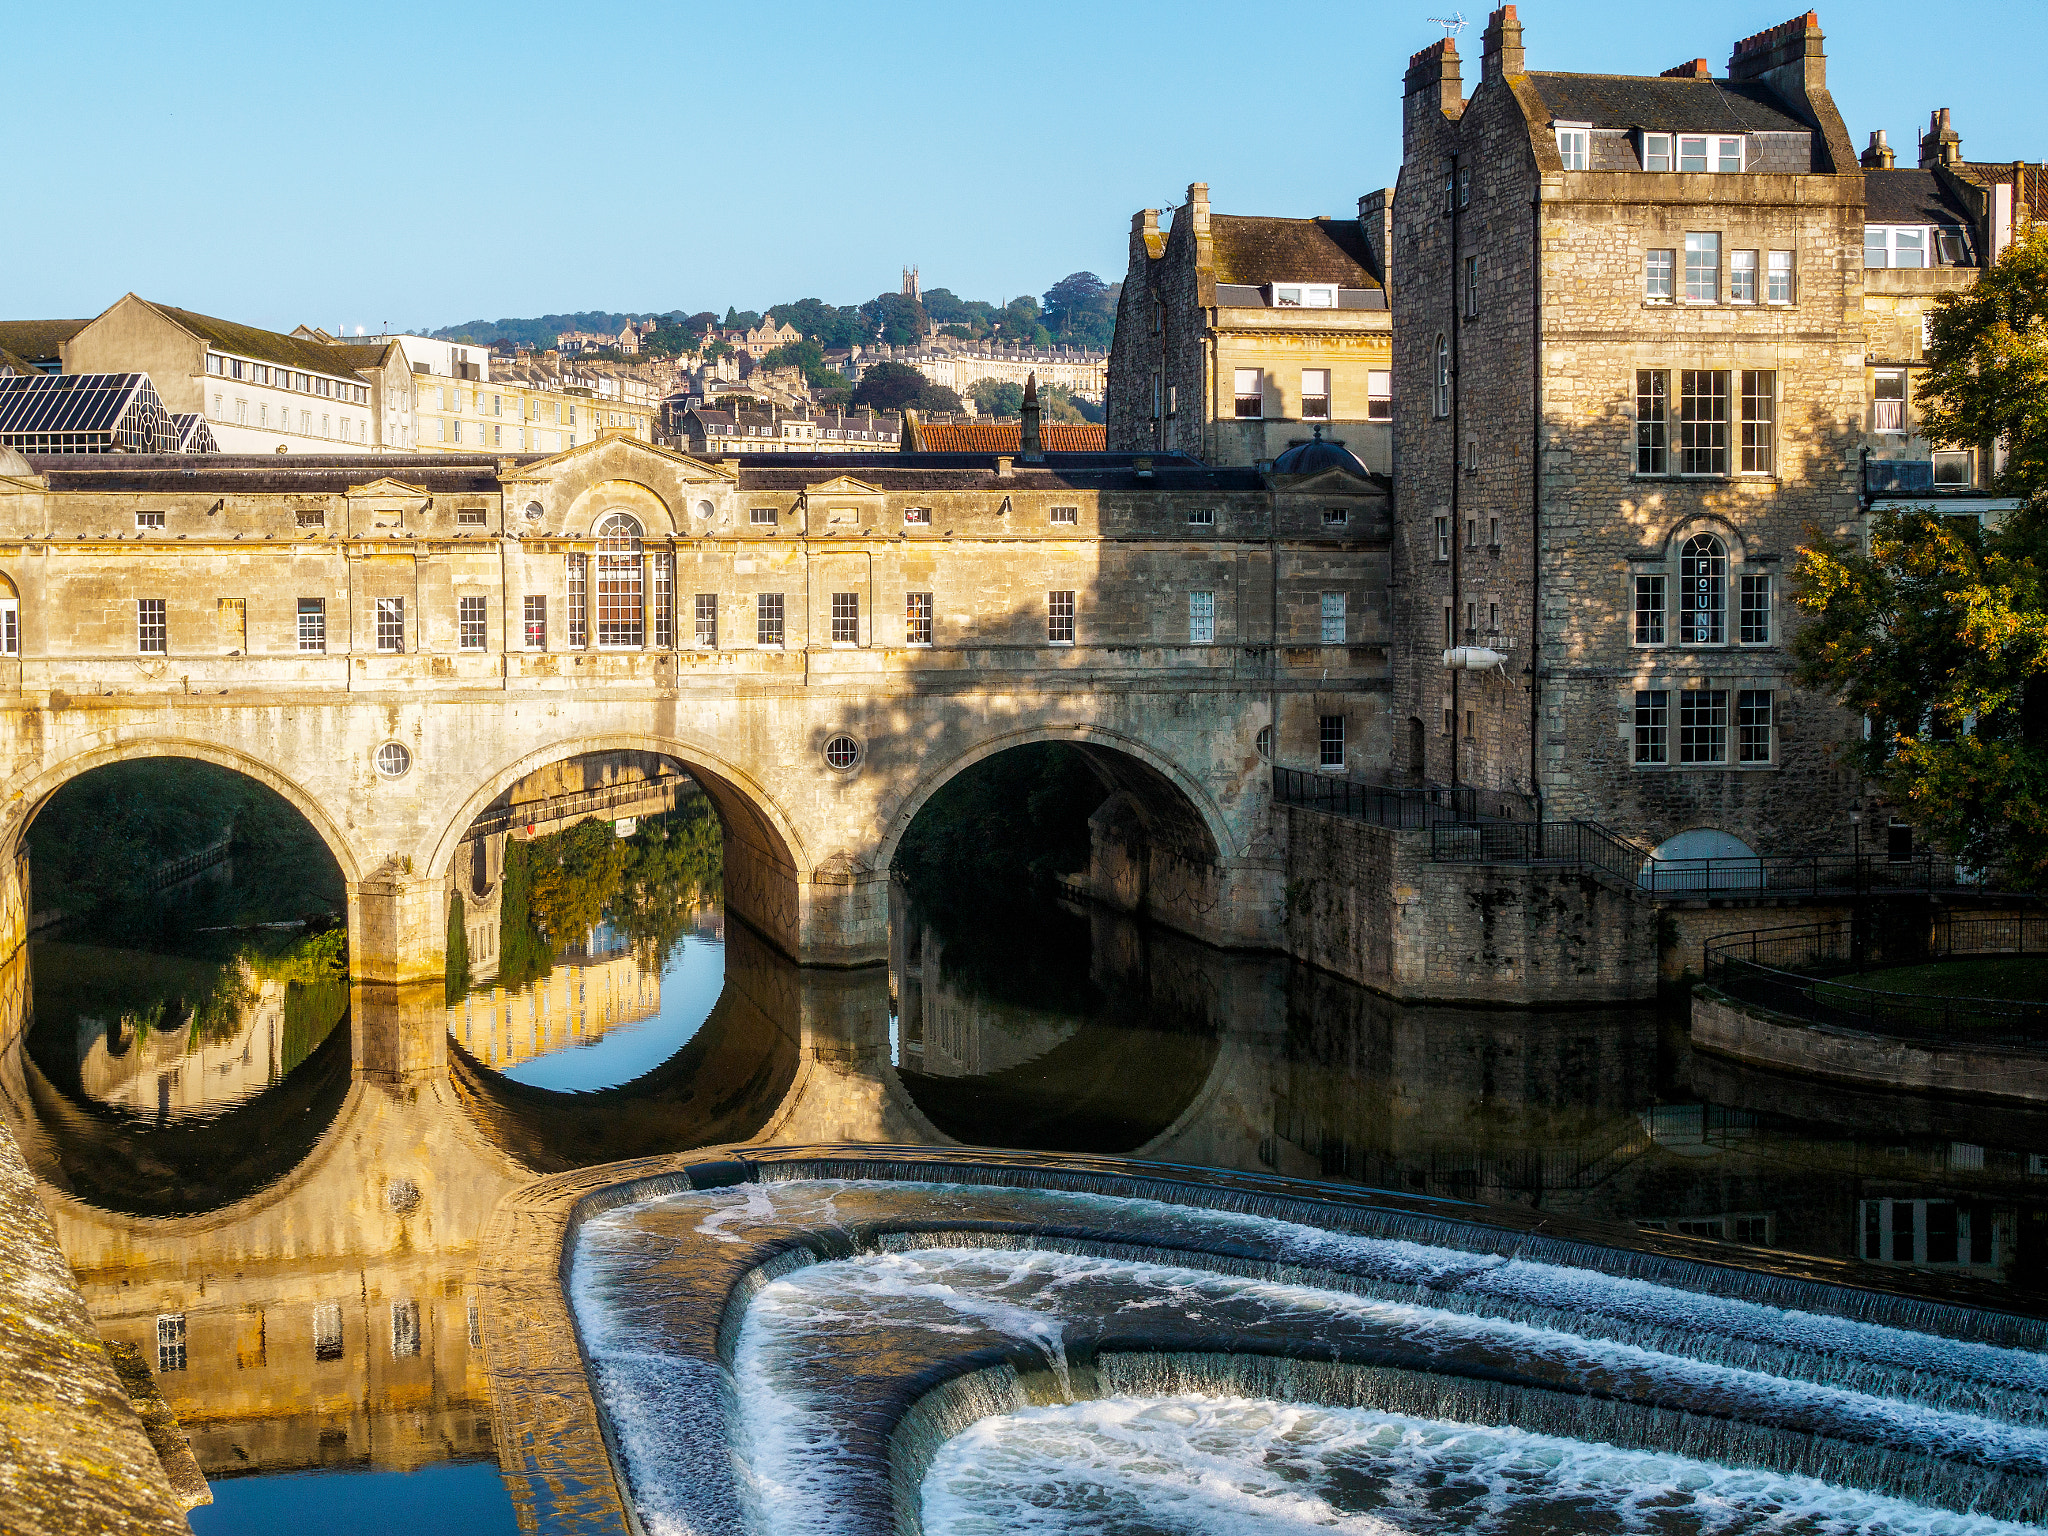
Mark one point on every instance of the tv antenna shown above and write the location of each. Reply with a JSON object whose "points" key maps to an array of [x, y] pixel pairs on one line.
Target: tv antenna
{"points": [[1452, 24]]}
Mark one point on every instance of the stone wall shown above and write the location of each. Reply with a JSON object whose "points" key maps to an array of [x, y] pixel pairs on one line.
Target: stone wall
{"points": [[1371, 905]]}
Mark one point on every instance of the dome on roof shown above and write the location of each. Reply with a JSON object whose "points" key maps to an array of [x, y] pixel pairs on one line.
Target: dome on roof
{"points": [[1316, 455]]}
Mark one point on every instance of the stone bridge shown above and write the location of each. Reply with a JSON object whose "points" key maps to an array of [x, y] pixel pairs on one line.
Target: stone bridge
{"points": [[390, 644]]}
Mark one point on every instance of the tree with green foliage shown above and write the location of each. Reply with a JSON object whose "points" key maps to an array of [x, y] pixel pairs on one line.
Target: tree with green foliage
{"points": [[457, 951], [1939, 634], [1080, 310], [829, 326], [1002, 829], [895, 319], [1020, 324], [996, 397], [806, 356], [967, 319], [740, 319], [897, 386]]}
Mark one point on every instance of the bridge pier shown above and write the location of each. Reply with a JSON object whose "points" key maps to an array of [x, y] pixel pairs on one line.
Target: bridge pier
{"points": [[398, 925]]}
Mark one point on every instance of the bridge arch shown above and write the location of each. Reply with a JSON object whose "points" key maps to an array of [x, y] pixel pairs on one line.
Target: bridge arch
{"points": [[763, 850], [29, 800], [1175, 807]]}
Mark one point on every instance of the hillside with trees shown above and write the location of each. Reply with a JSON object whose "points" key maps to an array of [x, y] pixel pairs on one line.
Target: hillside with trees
{"points": [[1077, 311]]}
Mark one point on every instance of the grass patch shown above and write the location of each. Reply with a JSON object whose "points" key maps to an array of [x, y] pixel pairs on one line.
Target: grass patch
{"points": [[2020, 979]]}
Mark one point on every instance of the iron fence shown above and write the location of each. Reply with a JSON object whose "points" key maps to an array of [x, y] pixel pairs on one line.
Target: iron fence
{"points": [[1818, 973], [1410, 809]]}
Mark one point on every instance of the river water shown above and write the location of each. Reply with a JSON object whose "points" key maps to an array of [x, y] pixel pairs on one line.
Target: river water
{"points": [[273, 1183]]}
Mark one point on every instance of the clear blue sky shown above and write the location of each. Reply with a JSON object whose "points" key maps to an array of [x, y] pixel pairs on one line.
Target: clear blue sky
{"points": [[426, 164]]}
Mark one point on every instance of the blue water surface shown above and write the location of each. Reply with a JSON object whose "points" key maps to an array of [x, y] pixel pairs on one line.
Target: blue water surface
{"points": [[451, 1499]]}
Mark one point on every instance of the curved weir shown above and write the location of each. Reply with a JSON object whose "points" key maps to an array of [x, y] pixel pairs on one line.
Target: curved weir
{"points": [[803, 1351]]}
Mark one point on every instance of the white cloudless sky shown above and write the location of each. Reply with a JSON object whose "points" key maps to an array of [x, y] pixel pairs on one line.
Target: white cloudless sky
{"points": [[426, 164]]}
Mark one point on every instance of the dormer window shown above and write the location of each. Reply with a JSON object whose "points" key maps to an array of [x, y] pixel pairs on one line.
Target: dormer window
{"points": [[1304, 296], [1656, 150], [1709, 152], [1895, 245], [1575, 145]]}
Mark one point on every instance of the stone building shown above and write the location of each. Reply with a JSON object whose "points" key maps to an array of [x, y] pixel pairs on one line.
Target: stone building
{"points": [[259, 391], [714, 432], [1929, 231], [960, 365], [1236, 336], [1630, 343]]}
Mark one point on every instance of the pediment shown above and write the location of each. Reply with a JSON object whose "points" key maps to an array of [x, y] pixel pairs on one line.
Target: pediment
{"points": [[1329, 482], [384, 488], [620, 456], [843, 485]]}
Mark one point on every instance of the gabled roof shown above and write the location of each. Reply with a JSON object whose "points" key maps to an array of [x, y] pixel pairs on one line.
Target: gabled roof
{"points": [[39, 341], [2030, 180], [1666, 104], [1253, 250], [1910, 197], [1006, 436], [254, 342]]}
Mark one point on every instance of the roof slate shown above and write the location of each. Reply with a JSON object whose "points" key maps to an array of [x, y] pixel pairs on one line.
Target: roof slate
{"points": [[1664, 105], [264, 346], [1255, 250], [1910, 197], [2032, 181], [38, 341]]}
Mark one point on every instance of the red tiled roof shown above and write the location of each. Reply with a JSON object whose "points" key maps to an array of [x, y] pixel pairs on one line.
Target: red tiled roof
{"points": [[1004, 437]]}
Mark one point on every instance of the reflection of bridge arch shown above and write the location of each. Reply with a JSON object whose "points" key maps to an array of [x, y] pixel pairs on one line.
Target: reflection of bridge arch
{"points": [[763, 851]]}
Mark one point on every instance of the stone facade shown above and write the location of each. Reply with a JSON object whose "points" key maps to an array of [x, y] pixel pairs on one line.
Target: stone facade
{"points": [[391, 645], [1536, 341], [1219, 298]]}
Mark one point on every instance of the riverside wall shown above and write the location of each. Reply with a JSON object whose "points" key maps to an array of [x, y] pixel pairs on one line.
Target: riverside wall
{"points": [[1369, 904]]}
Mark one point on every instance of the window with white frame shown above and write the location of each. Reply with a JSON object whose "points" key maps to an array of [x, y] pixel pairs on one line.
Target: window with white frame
{"points": [[917, 517], [1059, 618], [149, 519], [1201, 618], [1653, 421], [1441, 384], [762, 517], [1333, 618], [1443, 539], [1202, 517], [1742, 277], [1759, 420], [917, 618], [1889, 412], [1702, 268], [152, 630], [1703, 422], [1315, 394], [1653, 726], [846, 618], [1304, 296], [1330, 741], [1650, 610], [1065, 517], [170, 1342], [1471, 285], [1955, 467], [1658, 267], [1754, 592], [1895, 245], [1575, 145], [1379, 394], [1250, 393], [768, 616], [577, 576], [390, 623], [469, 612], [1703, 591], [534, 621], [1703, 726], [312, 624], [10, 626], [1656, 151], [1710, 152], [1778, 279]]}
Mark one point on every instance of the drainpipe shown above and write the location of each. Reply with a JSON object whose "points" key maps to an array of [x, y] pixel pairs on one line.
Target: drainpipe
{"points": [[1536, 496], [1457, 469]]}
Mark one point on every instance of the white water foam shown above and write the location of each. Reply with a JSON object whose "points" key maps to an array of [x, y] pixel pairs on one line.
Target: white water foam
{"points": [[1208, 1466]]}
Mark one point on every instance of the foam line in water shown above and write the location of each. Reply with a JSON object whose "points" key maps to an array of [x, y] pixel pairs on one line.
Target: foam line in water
{"points": [[1220, 1466]]}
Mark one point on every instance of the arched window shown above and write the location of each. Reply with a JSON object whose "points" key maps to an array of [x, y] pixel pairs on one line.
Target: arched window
{"points": [[1442, 392], [621, 610], [1703, 591]]}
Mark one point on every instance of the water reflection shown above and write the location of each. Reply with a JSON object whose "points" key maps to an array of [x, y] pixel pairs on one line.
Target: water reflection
{"points": [[273, 1182]]}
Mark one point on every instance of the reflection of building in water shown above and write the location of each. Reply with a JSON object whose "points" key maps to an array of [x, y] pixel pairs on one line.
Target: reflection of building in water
{"points": [[171, 1069], [480, 884], [948, 1030], [574, 1004]]}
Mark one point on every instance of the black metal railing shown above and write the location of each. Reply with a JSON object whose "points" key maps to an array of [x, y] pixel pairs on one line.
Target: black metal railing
{"points": [[1588, 845], [1409, 808], [1584, 844], [1821, 973], [587, 802]]}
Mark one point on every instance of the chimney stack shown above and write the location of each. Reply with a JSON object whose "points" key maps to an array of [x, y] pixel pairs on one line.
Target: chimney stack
{"points": [[1879, 156], [1500, 46], [1696, 69], [1941, 144], [1434, 75], [1789, 57], [1028, 449]]}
